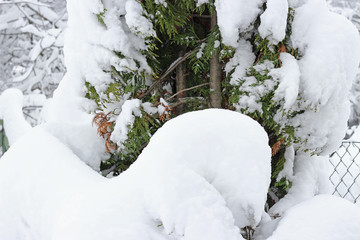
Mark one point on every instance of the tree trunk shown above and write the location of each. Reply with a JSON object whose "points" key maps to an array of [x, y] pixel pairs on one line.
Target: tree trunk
{"points": [[180, 82], [215, 73]]}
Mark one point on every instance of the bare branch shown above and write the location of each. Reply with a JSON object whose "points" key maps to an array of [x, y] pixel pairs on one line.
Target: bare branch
{"points": [[201, 16], [15, 33], [27, 16], [170, 69], [28, 2], [182, 101], [24, 76], [40, 15], [187, 89], [60, 17]]}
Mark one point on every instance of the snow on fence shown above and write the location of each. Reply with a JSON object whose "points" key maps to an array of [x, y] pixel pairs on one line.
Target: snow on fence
{"points": [[346, 174]]}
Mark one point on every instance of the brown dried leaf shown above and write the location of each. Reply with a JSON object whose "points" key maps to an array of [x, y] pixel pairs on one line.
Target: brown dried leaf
{"points": [[276, 147]]}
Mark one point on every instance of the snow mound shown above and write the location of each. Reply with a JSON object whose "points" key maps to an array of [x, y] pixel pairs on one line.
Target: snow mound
{"points": [[225, 152], [203, 175], [323, 217], [37, 174], [11, 103], [311, 178]]}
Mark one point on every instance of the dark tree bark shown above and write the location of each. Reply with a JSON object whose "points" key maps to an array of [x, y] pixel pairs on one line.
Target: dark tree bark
{"points": [[215, 73], [181, 82]]}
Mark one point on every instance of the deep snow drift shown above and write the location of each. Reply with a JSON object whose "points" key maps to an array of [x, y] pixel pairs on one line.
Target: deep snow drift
{"points": [[197, 179], [323, 217]]}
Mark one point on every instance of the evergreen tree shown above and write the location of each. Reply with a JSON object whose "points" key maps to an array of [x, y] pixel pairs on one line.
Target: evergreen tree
{"points": [[165, 58]]}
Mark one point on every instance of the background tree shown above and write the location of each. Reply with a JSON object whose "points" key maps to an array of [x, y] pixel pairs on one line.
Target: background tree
{"points": [[31, 39], [31, 50]]}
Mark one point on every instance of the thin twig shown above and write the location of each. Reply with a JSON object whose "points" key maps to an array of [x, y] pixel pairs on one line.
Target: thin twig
{"points": [[60, 17], [170, 69], [29, 2], [12, 34], [201, 16], [29, 116], [39, 14], [32, 20], [187, 89], [182, 101]]}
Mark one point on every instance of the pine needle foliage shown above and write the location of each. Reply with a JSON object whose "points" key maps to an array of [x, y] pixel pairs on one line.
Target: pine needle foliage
{"points": [[260, 86], [184, 37], [141, 131]]}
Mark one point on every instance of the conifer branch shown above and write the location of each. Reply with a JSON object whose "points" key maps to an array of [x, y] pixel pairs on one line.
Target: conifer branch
{"points": [[168, 71], [187, 89]]}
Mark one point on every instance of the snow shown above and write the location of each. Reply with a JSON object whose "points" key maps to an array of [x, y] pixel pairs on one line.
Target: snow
{"points": [[204, 174], [289, 79], [136, 21], [90, 51], [200, 52], [311, 87], [328, 66], [129, 110], [32, 29], [11, 103], [235, 173], [288, 170], [34, 99], [46, 173], [251, 101], [312, 24], [311, 178], [30, 35], [356, 136], [200, 2], [197, 179], [241, 61], [82, 139], [323, 217], [80, 136], [236, 16], [273, 21]]}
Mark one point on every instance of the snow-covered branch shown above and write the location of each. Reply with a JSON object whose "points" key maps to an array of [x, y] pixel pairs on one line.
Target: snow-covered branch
{"points": [[32, 44], [27, 2]]}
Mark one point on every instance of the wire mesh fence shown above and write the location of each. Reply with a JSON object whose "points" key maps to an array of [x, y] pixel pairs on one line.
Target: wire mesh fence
{"points": [[346, 174]]}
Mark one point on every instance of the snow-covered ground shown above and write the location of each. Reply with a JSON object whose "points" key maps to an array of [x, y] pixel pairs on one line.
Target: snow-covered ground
{"points": [[203, 187], [323, 217]]}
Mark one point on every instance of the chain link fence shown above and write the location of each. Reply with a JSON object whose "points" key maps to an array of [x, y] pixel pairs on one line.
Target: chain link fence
{"points": [[346, 174]]}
